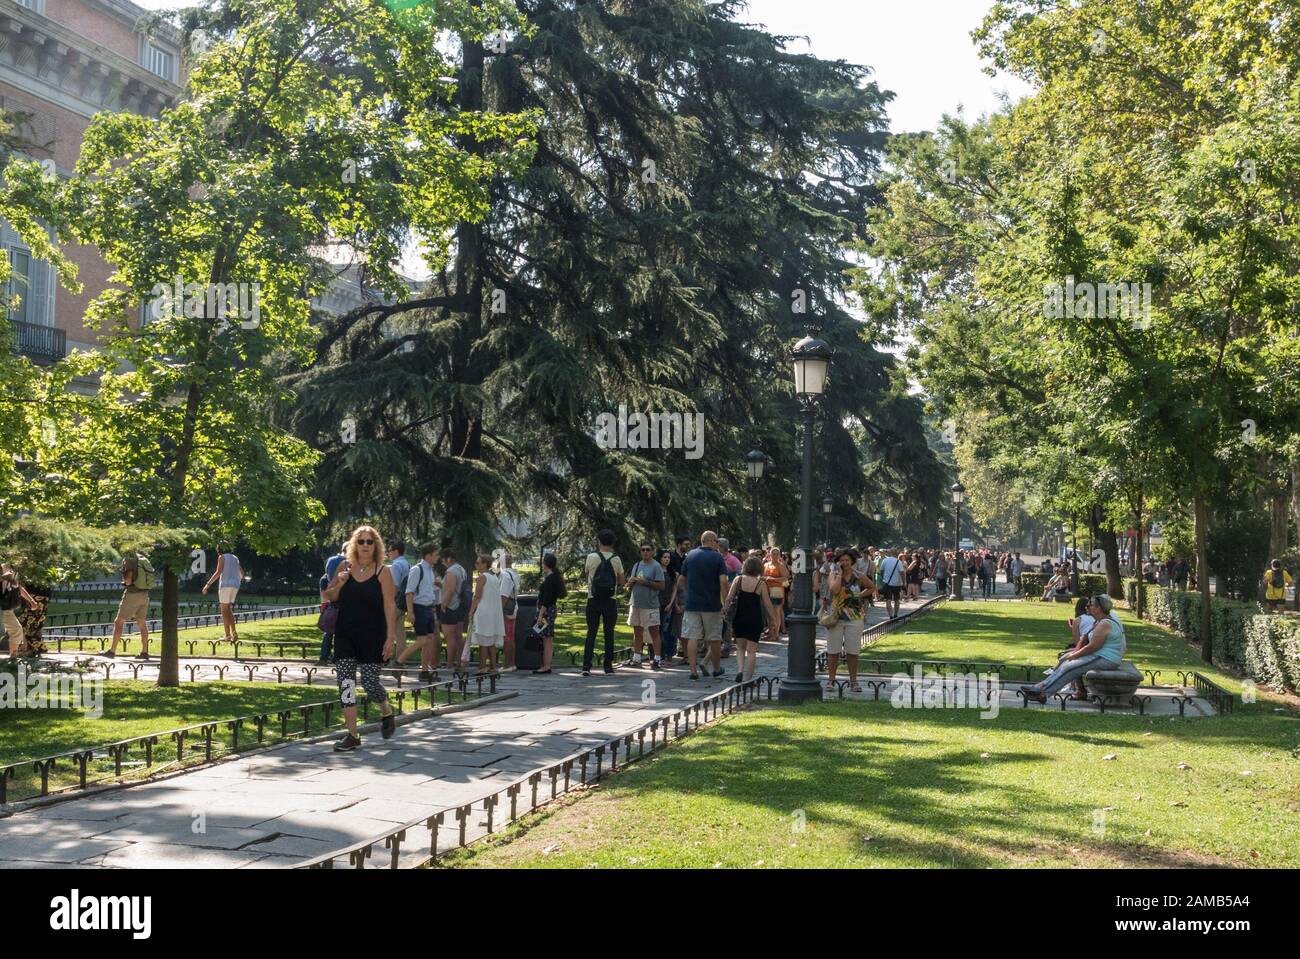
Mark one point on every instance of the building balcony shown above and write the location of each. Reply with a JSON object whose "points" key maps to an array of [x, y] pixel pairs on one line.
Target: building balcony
{"points": [[44, 344]]}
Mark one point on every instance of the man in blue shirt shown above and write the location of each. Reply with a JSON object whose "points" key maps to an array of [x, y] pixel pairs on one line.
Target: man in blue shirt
{"points": [[704, 581]]}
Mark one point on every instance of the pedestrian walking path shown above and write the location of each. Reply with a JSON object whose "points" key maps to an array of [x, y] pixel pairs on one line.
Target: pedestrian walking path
{"points": [[299, 800]]}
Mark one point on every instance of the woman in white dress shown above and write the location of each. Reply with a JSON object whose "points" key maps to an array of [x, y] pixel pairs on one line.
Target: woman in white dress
{"points": [[489, 632]]}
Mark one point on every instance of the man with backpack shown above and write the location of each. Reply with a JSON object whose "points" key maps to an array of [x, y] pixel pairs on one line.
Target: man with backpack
{"points": [[457, 596], [509, 606], [604, 579], [891, 581], [422, 595], [137, 580]]}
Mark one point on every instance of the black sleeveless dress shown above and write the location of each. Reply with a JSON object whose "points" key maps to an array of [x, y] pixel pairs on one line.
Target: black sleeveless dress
{"points": [[363, 624], [748, 621]]}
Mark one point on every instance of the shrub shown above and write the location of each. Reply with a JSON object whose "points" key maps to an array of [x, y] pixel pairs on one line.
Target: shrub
{"points": [[1031, 584], [1264, 646]]}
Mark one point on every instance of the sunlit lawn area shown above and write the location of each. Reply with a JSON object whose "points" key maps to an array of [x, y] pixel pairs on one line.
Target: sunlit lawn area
{"points": [[570, 632], [1032, 633], [877, 786], [141, 708]]}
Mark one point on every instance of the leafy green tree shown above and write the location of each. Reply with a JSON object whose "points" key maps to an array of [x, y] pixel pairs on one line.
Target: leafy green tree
{"points": [[303, 126], [682, 223]]}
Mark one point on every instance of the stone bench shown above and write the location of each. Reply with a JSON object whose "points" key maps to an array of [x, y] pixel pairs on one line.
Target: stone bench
{"points": [[1121, 682]]}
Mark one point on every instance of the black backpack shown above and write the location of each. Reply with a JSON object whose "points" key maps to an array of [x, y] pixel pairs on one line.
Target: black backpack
{"points": [[603, 580], [1279, 579]]}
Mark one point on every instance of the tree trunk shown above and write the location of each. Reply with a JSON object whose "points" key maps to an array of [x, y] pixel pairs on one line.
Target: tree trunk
{"points": [[1295, 509], [1137, 562], [1203, 578], [1110, 547], [169, 670]]}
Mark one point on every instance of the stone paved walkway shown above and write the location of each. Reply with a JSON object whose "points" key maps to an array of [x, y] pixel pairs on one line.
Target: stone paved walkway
{"points": [[299, 800]]}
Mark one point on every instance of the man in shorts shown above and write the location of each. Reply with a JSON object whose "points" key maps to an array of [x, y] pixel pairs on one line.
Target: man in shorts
{"points": [[891, 579], [421, 595], [134, 606], [704, 581], [646, 581]]}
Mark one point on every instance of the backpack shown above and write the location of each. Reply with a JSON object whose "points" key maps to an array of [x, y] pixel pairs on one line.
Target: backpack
{"points": [[563, 591], [510, 603], [1279, 579], [465, 592], [603, 580], [144, 575]]}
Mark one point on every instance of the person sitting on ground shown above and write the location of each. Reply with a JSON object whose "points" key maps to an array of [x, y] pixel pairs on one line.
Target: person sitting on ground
{"points": [[1276, 580], [1104, 649]]}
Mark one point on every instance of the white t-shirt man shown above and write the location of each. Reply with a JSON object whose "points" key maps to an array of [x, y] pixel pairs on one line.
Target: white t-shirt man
{"points": [[510, 587]]}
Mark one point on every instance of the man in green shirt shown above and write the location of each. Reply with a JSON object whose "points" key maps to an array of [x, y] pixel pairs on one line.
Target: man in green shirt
{"points": [[134, 605]]}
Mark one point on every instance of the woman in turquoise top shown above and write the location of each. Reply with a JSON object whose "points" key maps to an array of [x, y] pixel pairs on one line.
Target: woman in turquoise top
{"points": [[1104, 649]]}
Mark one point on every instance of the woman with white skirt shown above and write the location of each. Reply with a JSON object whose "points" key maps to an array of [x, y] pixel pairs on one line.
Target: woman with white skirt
{"points": [[489, 631]]}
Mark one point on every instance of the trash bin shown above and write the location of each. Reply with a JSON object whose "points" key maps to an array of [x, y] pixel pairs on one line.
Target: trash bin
{"points": [[526, 657]]}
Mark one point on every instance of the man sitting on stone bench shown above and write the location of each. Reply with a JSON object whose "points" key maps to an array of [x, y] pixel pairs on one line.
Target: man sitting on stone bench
{"points": [[1103, 650]]}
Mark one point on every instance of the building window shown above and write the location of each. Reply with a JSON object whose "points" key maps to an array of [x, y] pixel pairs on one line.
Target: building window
{"points": [[20, 281], [157, 60], [37, 5]]}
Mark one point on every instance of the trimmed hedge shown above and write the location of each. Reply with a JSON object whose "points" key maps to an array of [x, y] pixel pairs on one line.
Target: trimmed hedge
{"points": [[1264, 646], [1031, 584]]}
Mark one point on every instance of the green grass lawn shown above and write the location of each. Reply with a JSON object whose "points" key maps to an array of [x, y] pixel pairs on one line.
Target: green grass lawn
{"points": [[1033, 633], [570, 632], [137, 709], [876, 786]]}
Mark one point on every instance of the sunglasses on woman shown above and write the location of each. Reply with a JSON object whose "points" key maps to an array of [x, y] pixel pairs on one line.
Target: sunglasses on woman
{"points": [[365, 542]]}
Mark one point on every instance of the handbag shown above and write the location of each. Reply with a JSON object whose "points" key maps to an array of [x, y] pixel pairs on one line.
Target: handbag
{"points": [[829, 615], [328, 620]]}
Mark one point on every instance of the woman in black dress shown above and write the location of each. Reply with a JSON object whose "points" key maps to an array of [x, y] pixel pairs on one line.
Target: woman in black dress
{"points": [[363, 590], [551, 591], [754, 614]]}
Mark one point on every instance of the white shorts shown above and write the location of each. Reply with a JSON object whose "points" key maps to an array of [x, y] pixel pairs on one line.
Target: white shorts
{"points": [[637, 616], [705, 626], [844, 638], [227, 594]]}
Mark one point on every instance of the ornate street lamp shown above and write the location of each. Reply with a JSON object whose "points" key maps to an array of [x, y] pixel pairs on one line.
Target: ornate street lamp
{"points": [[958, 495], [942, 524], [828, 506], [811, 358], [754, 463]]}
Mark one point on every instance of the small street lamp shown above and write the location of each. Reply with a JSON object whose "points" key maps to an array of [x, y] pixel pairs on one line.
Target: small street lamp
{"points": [[754, 463], [958, 496], [828, 506]]}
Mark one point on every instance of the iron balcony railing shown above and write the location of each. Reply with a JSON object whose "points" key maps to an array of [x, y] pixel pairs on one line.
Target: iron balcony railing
{"points": [[38, 342]]}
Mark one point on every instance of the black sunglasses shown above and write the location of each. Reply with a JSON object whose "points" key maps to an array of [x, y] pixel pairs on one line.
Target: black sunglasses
{"points": [[365, 542]]}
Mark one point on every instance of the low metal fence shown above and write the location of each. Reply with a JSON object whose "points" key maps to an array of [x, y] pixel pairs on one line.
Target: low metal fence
{"points": [[84, 633], [543, 786], [103, 764]]}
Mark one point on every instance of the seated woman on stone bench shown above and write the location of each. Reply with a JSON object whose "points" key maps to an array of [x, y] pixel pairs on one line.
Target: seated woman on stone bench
{"points": [[1104, 649], [1059, 583]]}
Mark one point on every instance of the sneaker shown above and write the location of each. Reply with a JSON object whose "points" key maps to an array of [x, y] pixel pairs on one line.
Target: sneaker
{"points": [[145, 657], [388, 726], [109, 655], [717, 673], [347, 744], [655, 665], [586, 672], [636, 664], [609, 669], [695, 675]]}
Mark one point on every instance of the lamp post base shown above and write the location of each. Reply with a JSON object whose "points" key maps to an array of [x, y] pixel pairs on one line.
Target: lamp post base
{"points": [[800, 683]]}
